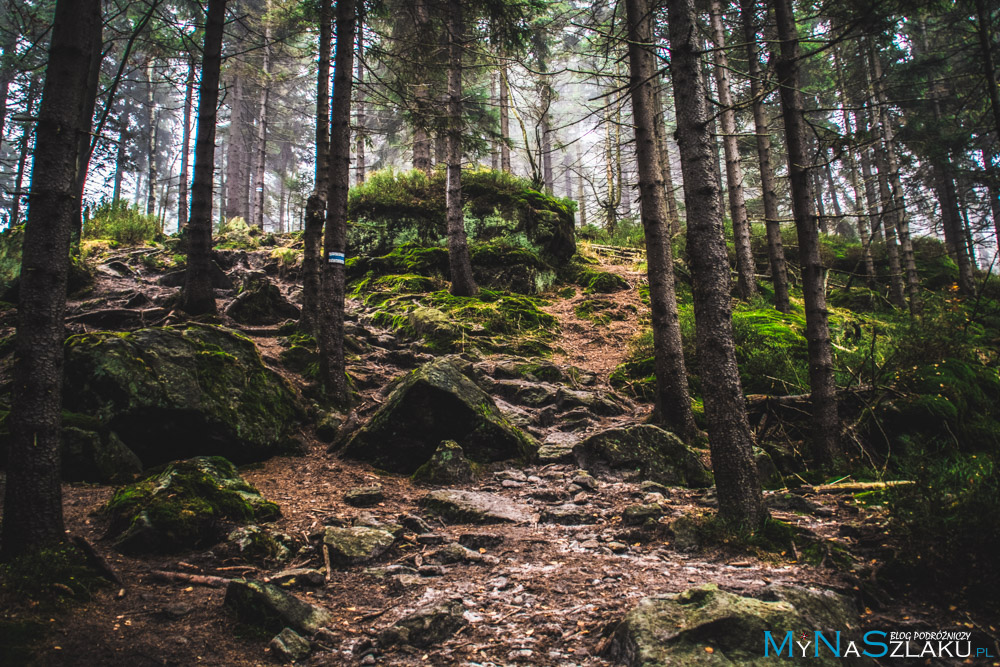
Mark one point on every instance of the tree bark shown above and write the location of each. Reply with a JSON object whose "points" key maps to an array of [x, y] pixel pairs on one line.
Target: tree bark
{"points": [[316, 204], [504, 120], [237, 158], [746, 285], [151, 121], [462, 282], [182, 192], [769, 194], [197, 297], [261, 144], [986, 58], [330, 338], [673, 215], [360, 132], [33, 515], [673, 402], [422, 95], [741, 506], [825, 446]]}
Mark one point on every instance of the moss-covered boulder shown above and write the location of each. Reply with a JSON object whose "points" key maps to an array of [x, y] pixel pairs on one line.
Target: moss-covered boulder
{"points": [[261, 302], [434, 403], [187, 505], [707, 626], [447, 466], [176, 392], [510, 268], [268, 607], [433, 326], [92, 456], [643, 452], [601, 282]]}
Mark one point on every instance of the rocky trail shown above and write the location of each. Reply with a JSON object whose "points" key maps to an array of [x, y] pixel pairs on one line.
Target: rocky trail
{"points": [[518, 565]]}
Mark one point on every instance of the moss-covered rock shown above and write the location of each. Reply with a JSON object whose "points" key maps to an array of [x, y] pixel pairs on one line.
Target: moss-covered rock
{"points": [[237, 234], [184, 506], [92, 456], [645, 452], [176, 392], [447, 466], [261, 302], [272, 609], [358, 544], [434, 403], [289, 646], [603, 311], [707, 626], [510, 268], [600, 281]]}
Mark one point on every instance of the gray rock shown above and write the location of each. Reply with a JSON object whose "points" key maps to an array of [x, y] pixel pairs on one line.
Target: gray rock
{"points": [[364, 496], [567, 515], [447, 466], [433, 403], [358, 544], [426, 627], [593, 402], [289, 646], [299, 576], [556, 452], [476, 507], [433, 325], [645, 452], [637, 515], [87, 456], [261, 302], [453, 553], [678, 629], [649, 486], [273, 609]]}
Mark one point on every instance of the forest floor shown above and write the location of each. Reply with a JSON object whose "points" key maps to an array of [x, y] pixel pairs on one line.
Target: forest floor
{"points": [[544, 594]]}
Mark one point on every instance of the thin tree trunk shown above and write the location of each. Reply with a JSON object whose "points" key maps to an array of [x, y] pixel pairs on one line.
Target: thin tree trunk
{"points": [[330, 338], [746, 285], [315, 213], [713, 128], [462, 282], [197, 296], [838, 213], [422, 96], [769, 194], [826, 422], [992, 188], [494, 101], [504, 120], [820, 207], [360, 133], [741, 506], [673, 403], [673, 215], [236, 157], [182, 185], [22, 159], [265, 93], [897, 295], [7, 74], [33, 516], [151, 120], [871, 191], [582, 191]]}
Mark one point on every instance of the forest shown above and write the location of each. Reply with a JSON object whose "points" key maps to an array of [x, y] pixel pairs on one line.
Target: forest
{"points": [[499, 332]]}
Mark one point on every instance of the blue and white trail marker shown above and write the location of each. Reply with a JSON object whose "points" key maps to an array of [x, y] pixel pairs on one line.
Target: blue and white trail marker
{"points": [[336, 258]]}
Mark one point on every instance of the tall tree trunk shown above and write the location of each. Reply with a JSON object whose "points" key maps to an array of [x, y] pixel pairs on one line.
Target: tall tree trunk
{"points": [[896, 187], [673, 215], [838, 213], [494, 101], [897, 295], [119, 161], [330, 338], [362, 120], [825, 446], [820, 207], [33, 515], [315, 213], [7, 74], [182, 184], [741, 506], [673, 402], [504, 119], [583, 193], [261, 144], [769, 193], [746, 285], [197, 297], [151, 120], [986, 58], [992, 188], [462, 282], [870, 185], [236, 157], [422, 95], [23, 146], [713, 128]]}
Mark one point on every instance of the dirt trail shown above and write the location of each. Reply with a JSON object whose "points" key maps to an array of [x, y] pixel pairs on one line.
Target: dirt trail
{"points": [[600, 347]]}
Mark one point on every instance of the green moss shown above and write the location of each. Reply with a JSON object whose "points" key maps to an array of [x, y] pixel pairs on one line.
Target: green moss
{"points": [[182, 506], [600, 281], [603, 311], [237, 234]]}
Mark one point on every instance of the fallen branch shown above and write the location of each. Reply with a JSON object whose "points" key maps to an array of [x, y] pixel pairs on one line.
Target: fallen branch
{"points": [[185, 578], [851, 487]]}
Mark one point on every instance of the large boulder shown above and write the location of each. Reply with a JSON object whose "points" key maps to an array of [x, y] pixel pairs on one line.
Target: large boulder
{"points": [[261, 302], [707, 626], [434, 403], [176, 392], [187, 505], [644, 452]]}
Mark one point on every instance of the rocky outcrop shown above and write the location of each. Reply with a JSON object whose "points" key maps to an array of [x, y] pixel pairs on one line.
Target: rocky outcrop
{"points": [[261, 302], [447, 466], [476, 507], [175, 392], [187, 505], [708, 626], [433, 403], [642, 452]]}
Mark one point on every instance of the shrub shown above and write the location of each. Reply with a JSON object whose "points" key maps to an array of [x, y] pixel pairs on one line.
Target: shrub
{"points": [[121, 223]]}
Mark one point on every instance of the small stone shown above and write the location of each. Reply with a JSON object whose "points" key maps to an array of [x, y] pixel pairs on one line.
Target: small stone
{"points": [[650, 486], [636, 515], [584, 480], [581, 498], [476, 507], [402, 581], [289, 646], [431, 539], [511, 484], [454, 553], [617, 547], [566, 515], [431, 571], [271, 608], [480, 540], [512, 475], [653, 498], [368, 660], [300, 576], [590, 544], [446, 466], [365, 496], [349, 546], [520, 654], [414, 524]]}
